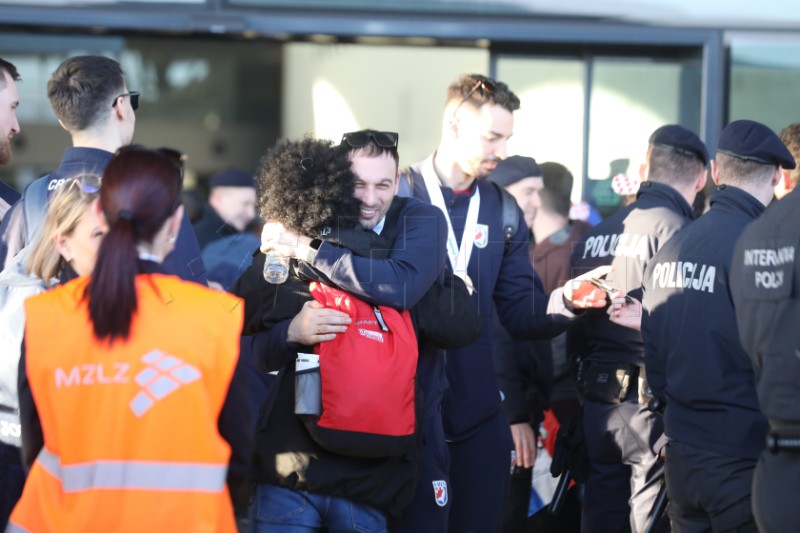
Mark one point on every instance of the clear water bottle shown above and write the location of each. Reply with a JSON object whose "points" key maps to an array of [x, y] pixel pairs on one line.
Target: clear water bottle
{"points": [[276, 268]]}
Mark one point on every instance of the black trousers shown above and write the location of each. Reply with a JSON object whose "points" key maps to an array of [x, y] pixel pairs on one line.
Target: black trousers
{"points": [[776, 485], [708, 491]]}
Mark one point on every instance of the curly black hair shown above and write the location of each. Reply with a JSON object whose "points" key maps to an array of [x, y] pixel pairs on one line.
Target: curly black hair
{"points": [[307, 185]]}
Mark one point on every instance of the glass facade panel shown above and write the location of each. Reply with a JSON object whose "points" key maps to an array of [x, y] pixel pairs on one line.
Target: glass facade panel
{"points": [[629, 99], [764, 77], [549, 123], [218, 101], [331, 89]]}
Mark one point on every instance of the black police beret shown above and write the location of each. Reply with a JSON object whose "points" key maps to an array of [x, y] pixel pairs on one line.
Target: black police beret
{"points": [[515, 168], [681, 140], [232, 178], [753, 141]]}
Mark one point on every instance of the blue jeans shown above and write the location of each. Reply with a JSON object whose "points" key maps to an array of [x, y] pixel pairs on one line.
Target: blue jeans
{"points": [[281, 510]]}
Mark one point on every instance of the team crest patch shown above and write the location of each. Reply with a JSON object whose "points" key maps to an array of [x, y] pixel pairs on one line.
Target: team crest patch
{"points": [[440, 492], [481, 235]]}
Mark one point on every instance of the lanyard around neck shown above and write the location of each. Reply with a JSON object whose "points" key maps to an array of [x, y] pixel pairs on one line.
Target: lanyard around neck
{"points": [[459, 255]]}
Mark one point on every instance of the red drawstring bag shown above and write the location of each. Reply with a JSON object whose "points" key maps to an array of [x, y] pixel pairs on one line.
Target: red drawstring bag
{"points": [[368, 376]]}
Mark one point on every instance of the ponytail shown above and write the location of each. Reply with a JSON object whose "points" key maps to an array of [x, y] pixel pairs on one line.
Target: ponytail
{"points": [[112, 288], [141, 189]]}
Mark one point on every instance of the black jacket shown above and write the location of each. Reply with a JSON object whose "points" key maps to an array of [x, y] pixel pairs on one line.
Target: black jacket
{"points": [[210, 227], [764, 284], [626, 240], [693, 355], [286, 454], [524, 371]]}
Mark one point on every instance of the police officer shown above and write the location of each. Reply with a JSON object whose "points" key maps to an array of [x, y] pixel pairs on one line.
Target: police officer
{"points": [[692, 351], [625, 473], [763, 274]]}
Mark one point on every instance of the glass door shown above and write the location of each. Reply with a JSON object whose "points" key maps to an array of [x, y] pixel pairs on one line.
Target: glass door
{"points": [[595, 113]]}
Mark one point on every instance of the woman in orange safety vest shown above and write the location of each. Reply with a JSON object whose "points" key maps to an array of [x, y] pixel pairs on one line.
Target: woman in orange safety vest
{"points": [[133, 412]]}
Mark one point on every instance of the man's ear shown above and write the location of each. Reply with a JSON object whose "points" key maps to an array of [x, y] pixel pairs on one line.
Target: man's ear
{"points": [[776, 178], [714, 172], [120, 113], [701, 181], [62, 125]]}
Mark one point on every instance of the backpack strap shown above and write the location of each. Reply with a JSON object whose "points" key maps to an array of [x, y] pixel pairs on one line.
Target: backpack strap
{"points": [[510, 212], [34, 207]]}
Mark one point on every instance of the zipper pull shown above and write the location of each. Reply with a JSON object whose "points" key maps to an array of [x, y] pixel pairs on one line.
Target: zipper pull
{"points": [[379, 316]]}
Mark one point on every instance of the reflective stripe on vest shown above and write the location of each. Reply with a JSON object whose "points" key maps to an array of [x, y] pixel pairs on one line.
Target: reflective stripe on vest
{"points": [[143, 475], [14, 528]]}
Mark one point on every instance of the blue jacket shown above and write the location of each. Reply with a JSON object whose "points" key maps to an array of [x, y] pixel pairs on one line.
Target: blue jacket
{"points": [[627, 240], [693, 355], [503, 278], [184, 261]]}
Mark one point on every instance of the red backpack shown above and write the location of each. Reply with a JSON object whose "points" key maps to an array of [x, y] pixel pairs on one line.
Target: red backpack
{"points": [[368, 374]]}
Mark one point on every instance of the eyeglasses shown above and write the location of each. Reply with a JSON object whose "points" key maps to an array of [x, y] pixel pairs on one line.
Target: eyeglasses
{"points": [[486, 86], [134, 99], [87, 183], [359, 139]]}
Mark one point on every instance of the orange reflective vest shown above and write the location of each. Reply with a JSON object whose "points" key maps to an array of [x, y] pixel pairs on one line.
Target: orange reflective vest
{"points": [[131, 439]]}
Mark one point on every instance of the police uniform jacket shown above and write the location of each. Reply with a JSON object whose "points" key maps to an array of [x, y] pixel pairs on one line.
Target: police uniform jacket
{"points": [[764, 283], [184, 261], [626, 240], [384, 483], [504, 280], [693, 355]]}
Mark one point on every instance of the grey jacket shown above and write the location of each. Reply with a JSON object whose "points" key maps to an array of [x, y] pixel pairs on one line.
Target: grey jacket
{"points": [[15, 286]]}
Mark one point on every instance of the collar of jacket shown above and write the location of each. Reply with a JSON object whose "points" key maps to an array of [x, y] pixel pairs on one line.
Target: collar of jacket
{"points": [[734, 199], [651, 190]]}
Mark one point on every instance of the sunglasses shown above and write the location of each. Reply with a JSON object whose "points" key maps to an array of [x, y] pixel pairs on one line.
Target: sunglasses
{"points": [[359, 139], [87, 183], [134, 99], [486, 87]]}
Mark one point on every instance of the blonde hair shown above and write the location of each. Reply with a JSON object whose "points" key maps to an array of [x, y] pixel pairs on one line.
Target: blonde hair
{"points": [[65, 208]]}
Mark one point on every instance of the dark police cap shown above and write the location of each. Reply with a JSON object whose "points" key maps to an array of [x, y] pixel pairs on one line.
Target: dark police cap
{"points": [[681, 140], [753, 141], [232, 177], [515, 168]]}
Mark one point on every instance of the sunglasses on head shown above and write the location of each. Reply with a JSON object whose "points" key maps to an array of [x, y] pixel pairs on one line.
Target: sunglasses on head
{"points": [[486, 87], [134, 99], [359, 139], [87, 183]]}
